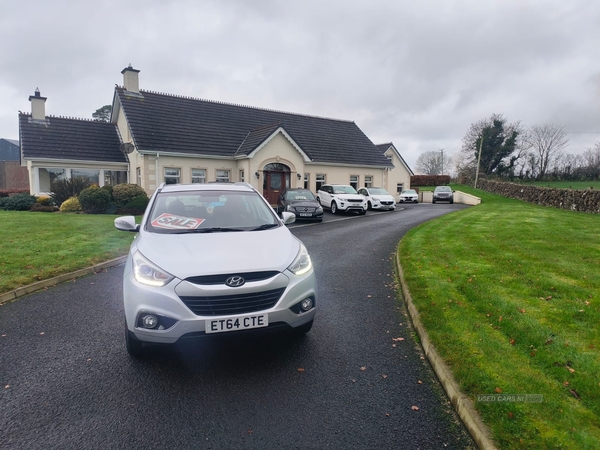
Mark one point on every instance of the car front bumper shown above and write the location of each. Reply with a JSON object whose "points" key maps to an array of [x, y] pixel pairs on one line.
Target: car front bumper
{"points": [[165, 301]]}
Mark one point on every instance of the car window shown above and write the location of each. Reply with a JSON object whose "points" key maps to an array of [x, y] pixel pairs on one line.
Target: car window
{"points": [[443, 189], [193, 211], [299, 195], [409, 191], [379, 191], [344, 190]]}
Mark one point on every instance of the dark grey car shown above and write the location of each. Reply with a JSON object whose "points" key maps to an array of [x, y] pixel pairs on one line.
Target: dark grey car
{"points": [[443, 194], [301, 202]]}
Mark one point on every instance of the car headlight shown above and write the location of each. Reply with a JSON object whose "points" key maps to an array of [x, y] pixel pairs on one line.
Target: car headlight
{"points": [[147, 273], [319, 209], [289, 208], [302, 263]]}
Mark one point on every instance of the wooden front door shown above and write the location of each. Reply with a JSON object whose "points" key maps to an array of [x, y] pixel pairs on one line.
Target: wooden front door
{"points": [[273, 184]]}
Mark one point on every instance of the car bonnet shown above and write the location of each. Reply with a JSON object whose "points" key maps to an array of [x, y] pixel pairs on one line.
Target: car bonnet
{"points": [[185, 255]]}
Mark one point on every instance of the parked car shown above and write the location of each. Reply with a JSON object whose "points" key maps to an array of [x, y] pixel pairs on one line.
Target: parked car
{"points": [[443, 194], [378, 198], [409, 196], [211, 259], [300, 202], [340, 197]]}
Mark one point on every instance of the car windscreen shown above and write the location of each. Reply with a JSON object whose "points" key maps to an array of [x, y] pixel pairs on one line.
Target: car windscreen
{"points": [[409, 191], [344, 190], [443, 189], [209, 211], [297, 196]]}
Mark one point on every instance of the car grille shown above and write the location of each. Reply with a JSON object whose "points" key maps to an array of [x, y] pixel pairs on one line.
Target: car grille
{"points": [[305, 209], [221, 278], [225, 305], [352, 200], [387, 203]]}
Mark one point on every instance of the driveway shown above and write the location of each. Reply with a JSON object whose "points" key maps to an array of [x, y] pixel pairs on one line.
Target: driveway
{"points": [[358, 380]]}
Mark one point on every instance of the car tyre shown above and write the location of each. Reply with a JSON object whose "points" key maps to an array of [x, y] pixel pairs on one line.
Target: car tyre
{"points": [[369, 206], [451, 201], [433, 201], [362, 212], [302, 329], [135, 347], [334, 208]]}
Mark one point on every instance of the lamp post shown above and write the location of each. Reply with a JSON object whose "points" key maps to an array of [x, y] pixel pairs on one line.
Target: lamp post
{"points": [[478, 160], [442, 153]]}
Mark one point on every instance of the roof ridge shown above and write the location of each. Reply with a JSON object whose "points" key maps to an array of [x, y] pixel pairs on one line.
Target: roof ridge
{"points": [[239, 105]]}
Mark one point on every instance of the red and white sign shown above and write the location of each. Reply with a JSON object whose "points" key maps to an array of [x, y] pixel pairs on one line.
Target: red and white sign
{"points": [[173, 222]]}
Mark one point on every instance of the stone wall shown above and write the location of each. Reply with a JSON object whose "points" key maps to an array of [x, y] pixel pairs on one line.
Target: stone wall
{"points": [[587, 200]]}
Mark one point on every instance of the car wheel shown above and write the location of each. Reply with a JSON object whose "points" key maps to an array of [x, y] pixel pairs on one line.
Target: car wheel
{"points": [[369, 206], [451, 201], [334, 208], [433, 201], [135, 347], [302, 329], [362, 212]]}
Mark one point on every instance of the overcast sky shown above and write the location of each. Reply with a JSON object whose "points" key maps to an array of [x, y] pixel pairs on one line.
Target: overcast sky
{"points": [[416, 73]]}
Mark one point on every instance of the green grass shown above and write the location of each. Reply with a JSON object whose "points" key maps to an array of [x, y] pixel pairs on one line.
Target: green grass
{"points": [[509, 293], [38, 246]]}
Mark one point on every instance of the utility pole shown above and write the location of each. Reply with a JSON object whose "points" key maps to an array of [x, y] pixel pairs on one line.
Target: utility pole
{"points": [[442, 152], [478, 160]]}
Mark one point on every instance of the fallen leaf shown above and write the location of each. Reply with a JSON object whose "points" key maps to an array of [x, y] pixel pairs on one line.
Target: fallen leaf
{"points": [[397, 339], [249, 431], [415, 408], [498, 390], [368, 296], [566, 383], [420, 382], [41, 333], [574, 394], [363, 368], [549, 341], [513, 342], [384, 376], [549, 297], [4, 335], [387, 414], [300, 369], [394, 345], [522, 310], [591, 346], [571, 369], [500, 319], [510, 415], [7, 386]]}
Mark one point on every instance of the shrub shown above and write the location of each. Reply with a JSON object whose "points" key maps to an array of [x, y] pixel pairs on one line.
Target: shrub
{"points": [[65, 189], [44, 200], [135, 207], [108, 188], [125, 192], [94, 200], [3, 201], [19, 202], [70, 205], [8, 192]]}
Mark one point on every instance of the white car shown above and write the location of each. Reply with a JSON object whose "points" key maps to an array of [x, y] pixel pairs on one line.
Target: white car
{"points": [[340, 197], [409, 196], [213, 259], [378, 198]]}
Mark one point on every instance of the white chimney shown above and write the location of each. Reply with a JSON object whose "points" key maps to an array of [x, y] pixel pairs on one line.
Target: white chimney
{"points": [[131, 80], [38, 106]]}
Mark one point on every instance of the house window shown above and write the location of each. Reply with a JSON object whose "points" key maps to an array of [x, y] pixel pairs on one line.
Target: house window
{"points": [[114, 177], [198, 175], [47, 176], [368, 181], [91, 174], [306, 181], [242, 176], [320, 180], [399, 188], [222, 176], [354, 181], [138, 176], [172, 175]]}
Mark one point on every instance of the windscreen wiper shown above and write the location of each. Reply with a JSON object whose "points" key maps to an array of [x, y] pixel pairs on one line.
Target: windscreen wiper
{"points": [[209, 230], [265, 226]]}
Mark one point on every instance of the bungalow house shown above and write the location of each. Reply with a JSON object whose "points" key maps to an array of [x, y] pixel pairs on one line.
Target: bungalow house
{"points": [[155, 137]]}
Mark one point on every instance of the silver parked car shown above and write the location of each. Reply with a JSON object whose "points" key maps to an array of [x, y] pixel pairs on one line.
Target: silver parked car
{"points": [[443, 194], [210, 259]]}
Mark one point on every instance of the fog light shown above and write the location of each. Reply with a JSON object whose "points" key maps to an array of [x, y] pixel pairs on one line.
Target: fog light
{"points": [[149, 321], [306, 304]]}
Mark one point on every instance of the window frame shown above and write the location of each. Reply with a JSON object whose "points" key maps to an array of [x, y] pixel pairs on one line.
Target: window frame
{"points": [[178, 176], [198, 176]]}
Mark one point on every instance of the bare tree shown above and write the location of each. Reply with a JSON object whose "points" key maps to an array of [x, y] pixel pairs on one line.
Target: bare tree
{"points": [[547, 142], [433, 162]]}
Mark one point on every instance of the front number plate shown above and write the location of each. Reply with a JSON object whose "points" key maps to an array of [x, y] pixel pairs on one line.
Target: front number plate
{"points": [[236, 323], [305, 214]]}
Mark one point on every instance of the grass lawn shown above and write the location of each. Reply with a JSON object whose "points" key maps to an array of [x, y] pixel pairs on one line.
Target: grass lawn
{"points": [[509, 293], [36, 246]]}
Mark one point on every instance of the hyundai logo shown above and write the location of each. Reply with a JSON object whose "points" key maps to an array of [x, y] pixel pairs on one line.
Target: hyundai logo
{"points": [[235, 281]]}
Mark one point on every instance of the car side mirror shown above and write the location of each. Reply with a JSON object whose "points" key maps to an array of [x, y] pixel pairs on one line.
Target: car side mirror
{"points": [[126, 223]]}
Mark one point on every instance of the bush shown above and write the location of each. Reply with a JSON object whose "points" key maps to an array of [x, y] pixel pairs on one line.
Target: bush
{"points": [[126, 192], [62, 190], [135, 207], [3, 201], [8, 192], [94, 200], [108, 188], [44, 200], [70, 205], [19, 202]]}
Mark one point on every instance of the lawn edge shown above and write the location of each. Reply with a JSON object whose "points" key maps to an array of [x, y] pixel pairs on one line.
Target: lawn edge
{"points": [[462, 404], [30, 288]]}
